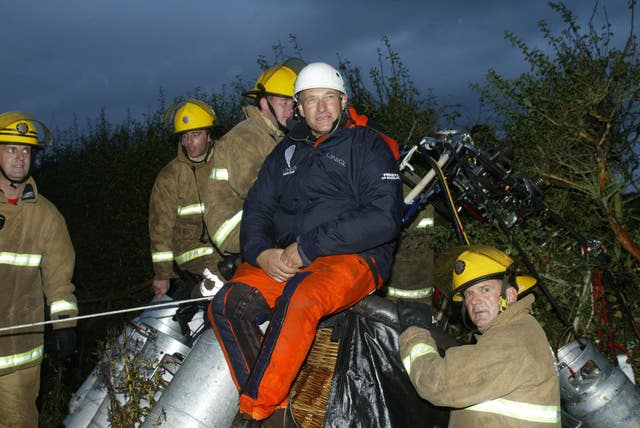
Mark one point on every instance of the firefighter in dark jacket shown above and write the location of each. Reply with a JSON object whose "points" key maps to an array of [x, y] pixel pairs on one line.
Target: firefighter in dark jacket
{"points": [[36, 266], [317, 235], [508, 378]]}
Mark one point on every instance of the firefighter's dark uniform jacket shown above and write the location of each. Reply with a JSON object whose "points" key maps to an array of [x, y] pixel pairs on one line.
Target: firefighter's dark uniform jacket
{"points": [[36, 262], [196, 206], [332, 196], [507, 379]]}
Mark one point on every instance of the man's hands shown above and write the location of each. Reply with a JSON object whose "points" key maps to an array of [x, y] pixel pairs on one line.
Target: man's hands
{"points": [[411, 313], [291, 257], [280, 264], [160, 288]]}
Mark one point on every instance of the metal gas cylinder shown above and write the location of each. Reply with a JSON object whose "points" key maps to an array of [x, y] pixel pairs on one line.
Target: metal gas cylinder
{"points": [[155, 339], [594, 391], [201, 394]]}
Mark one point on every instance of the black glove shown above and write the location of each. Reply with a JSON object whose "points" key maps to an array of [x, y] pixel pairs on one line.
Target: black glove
{"points": [[414, 313], [184, 315], [228, 265], [65, 342]]}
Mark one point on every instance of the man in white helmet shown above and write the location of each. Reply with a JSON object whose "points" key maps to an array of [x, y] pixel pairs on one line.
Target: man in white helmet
{"points": [[508, 378], [317, 235], [36, 266]]}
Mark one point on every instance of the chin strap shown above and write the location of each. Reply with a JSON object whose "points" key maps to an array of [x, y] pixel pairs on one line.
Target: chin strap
{"points": [[502, 303], [13, 183], [199, 159], [281, 127], [509, 280]]}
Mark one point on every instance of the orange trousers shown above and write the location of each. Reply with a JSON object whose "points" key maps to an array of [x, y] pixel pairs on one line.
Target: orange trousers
{"points": [[264, 368]]}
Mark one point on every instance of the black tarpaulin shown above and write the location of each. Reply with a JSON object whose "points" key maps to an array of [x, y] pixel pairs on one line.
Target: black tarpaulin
{"points": [[370, 387]]}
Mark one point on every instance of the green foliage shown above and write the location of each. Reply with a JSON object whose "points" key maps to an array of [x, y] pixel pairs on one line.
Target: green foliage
{"points": [[576, 115], [101, 184]]}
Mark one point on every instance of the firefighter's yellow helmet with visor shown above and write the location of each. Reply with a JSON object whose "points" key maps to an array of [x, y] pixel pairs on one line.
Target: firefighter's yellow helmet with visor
{"points": [[190, 115], [481, 263], [277, 80], [19, 128]]}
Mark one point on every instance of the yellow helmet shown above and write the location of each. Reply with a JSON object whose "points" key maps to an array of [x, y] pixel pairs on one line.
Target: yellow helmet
{"points": [[480, 263], [277, 80], [189, 115], [19, 128]]}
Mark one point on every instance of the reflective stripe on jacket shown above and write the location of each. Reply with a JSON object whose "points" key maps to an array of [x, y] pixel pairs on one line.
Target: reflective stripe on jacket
{"points": [[36, 263], [239, 155], [507, 379], [191, 201], [176, 218]]}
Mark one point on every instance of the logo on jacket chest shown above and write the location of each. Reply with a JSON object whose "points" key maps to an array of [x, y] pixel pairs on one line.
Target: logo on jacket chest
{"points": [[336, 159], [288, 155]]}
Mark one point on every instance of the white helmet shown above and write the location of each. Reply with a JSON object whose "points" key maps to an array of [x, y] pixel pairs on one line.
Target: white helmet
{"points": [[318, 75]]}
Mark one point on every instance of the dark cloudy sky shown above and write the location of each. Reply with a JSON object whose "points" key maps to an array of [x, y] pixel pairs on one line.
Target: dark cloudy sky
{"points": [[78, 56]]}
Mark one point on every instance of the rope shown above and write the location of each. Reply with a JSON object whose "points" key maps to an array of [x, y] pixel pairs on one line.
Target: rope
{"points": [[104, 314]]}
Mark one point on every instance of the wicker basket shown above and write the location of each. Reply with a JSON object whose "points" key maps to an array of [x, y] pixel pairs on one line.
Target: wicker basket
{"points": [[310, 392]]}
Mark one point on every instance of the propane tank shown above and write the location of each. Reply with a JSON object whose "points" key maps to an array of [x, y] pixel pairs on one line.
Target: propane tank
{"points": [[155, 338], [594, 391], [201, 394]]}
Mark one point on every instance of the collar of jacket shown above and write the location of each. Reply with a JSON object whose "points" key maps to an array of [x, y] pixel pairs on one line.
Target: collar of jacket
{"points": [[29, 193], [514, 310], [301, 132], [254, 113]]}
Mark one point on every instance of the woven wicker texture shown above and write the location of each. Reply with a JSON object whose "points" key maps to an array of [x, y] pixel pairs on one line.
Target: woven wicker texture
{"points": [[310, 392]]}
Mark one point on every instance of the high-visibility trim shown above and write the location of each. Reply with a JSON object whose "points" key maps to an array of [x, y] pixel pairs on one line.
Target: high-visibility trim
{"points": [[187, 256], [15, 360], [421, 293], [162, 256], [219, 174], [519, 410], [191, 209], [416, 351], [223, 231], [18, 259], [63, 306], [424, 223]]}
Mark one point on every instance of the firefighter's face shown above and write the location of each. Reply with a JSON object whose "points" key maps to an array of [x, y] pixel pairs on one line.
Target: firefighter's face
{"points": [[282, 107], [15, 161], [195, 142], [321, 108], [482, 301]]}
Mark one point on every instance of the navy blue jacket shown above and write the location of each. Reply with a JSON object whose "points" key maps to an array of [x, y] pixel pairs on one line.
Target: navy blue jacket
{"points": [[342, 197]]}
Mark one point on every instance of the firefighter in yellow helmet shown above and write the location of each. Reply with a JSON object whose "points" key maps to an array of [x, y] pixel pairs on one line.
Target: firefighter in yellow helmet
{"points": [[507, 378], [180, 236], [36, 263], [245, 147]]}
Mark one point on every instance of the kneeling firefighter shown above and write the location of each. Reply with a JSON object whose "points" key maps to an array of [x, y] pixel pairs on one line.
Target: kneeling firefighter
{"points": [[508, 378]]}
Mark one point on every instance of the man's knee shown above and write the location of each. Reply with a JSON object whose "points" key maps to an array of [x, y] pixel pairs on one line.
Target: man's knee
{"points": [[237, 300]]}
